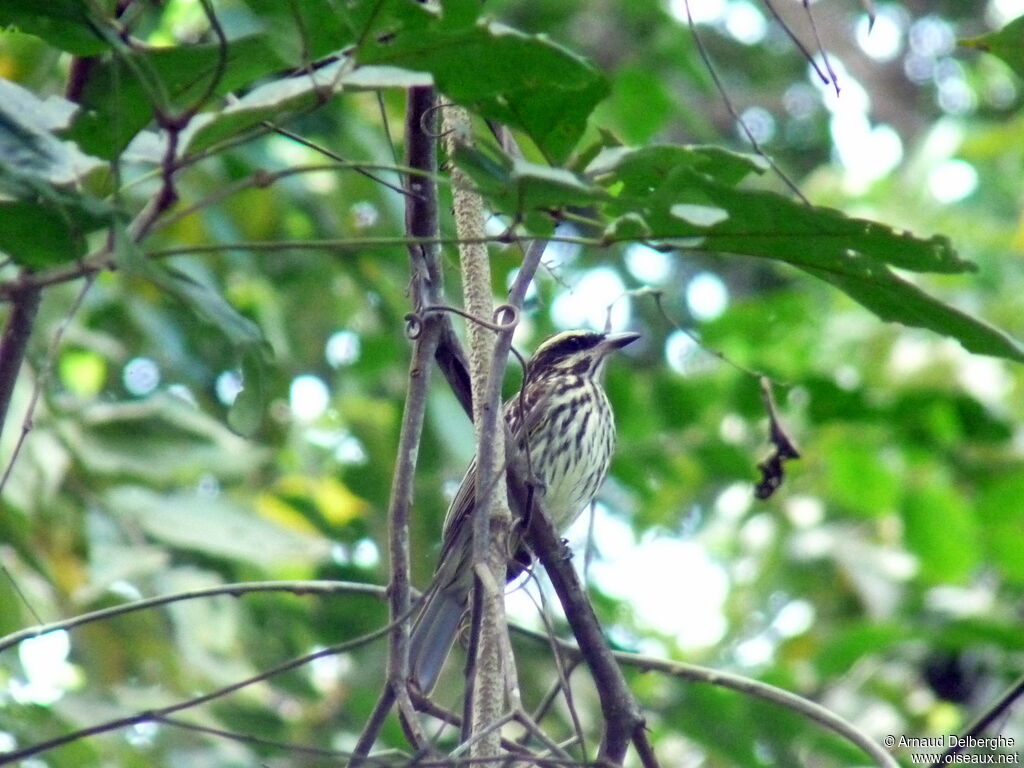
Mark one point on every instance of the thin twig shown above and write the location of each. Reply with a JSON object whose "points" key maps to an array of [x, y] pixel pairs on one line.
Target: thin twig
{"points": [[399, 511], [234, 590], [41, 378], [805, 707], [823, 76], [821, 48], [152, 714], [983, 721], [360, 168], [720, 87], [247, 738], [562, 670]]}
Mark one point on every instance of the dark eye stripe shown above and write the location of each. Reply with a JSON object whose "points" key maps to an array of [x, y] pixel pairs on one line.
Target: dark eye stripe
{"points": [[567, 346]]}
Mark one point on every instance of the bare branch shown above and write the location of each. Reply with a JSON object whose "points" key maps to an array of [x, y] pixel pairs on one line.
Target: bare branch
{"points": [[425, 281], [234, 590], [41, 378], [14, 342], [804, 707], [983, 721], [16, 756], [622, 715], [754, 143], [491, 519]]}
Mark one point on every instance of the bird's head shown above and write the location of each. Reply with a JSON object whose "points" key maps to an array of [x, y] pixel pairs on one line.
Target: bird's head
{"points": [[579, 353]]}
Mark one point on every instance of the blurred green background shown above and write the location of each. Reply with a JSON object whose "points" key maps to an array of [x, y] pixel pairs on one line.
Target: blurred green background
{"points": [[884, 579]]}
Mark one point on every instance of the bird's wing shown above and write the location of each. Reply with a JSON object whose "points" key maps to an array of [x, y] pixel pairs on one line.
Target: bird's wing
{"points": [[523, 412]]}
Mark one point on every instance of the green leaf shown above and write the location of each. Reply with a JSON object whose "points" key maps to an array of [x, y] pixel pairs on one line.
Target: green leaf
{"points": [[64, 24], [1001, 519], [246, 413], [122, 93], [302, 32], [45, 234], [162, 440], [521, 80], [859, 478], [940, 529], [31, 156], [688, 205], [210, 305], [771, 225], [640, 103], [894, 299], [289, 95], [515, 186], [644, 169], [47, 219], [246, 336], [1006, 43], [214, 526]]}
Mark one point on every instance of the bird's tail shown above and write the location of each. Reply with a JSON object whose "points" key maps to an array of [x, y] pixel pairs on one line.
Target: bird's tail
{"points": [[433, 634]]}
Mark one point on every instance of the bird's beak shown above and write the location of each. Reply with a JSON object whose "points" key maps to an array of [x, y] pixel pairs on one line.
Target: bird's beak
{"points": [[615, 341]]}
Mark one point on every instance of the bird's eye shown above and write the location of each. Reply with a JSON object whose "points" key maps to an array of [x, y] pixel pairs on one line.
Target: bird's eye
{"points": [[577, 344]]}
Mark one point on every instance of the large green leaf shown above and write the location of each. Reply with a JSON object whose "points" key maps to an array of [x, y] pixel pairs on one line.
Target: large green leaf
{"points": [[302, 32], [525, 81], [65, 24], [43, 234], [46, 218], [245, 335], [162, 440], [689, 207], [517, 186], [215, 526], [31, 156], [897, 300], [941, 530], [123, 91], [693, 195], [1006, 43], [291, 94], [687, 197], [641, 170]]}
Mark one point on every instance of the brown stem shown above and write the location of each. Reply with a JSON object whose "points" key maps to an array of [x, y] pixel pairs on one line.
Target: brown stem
{"points": [[14, 342], [622, 715], [420, 221]]}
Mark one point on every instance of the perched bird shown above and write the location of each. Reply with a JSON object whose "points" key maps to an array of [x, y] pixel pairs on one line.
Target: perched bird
{"points": [[562, 415]]}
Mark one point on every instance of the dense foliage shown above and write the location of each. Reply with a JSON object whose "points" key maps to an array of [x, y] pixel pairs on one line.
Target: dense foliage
{"points": [[202, 196]]}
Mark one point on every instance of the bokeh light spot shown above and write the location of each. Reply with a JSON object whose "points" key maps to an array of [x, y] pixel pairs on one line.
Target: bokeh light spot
{"points": [[952, 180], [308, 397], [587, 304], [141, 376], [647, 264], [707, 296], [342, 348]]}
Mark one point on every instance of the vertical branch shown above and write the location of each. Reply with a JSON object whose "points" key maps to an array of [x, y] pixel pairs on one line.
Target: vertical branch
{"points": [[426, 289], [623, 718], [14, 342], [492, 520], [421, 221], [398, 522]]}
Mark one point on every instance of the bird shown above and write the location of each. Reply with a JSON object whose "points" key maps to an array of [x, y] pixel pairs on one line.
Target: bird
{"points": [[562, 416]]}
